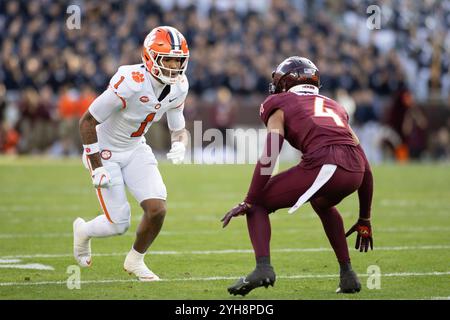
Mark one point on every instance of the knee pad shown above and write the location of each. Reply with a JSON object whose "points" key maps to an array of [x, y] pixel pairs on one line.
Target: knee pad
{"points": [[122, 222]]}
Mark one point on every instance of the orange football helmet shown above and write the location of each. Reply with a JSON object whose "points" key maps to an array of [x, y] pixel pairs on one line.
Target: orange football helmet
{"points": [[164, 42]]}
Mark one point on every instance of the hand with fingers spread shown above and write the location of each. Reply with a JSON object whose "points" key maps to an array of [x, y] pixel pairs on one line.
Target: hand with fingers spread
{"points": [[364, 236], [239, 210]]}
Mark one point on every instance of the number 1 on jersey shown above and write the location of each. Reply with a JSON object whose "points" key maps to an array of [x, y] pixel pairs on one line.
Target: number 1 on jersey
{"points": [[143, 125], [116, 86], [321, 111]]}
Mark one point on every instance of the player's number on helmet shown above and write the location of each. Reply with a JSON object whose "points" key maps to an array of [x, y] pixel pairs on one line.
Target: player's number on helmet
{"points": [[321, 111]]}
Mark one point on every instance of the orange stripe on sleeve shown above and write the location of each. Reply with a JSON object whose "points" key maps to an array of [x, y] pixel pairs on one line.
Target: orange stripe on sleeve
{"points": [[124, 103]]}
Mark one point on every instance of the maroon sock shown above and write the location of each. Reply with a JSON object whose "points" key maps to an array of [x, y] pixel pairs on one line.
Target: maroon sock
{"points": [[258, 224], [334, 228]]}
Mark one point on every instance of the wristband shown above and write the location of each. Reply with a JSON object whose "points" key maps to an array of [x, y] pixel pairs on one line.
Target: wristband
{"points": [[91, 148]]}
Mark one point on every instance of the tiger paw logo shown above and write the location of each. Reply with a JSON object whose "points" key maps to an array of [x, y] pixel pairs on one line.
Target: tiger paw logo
{"points": [[137, 76], [106, 154]]}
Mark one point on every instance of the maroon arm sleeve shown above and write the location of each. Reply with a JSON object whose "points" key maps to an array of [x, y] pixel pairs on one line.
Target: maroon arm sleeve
{"points": [[264, 166], [365, 191]]}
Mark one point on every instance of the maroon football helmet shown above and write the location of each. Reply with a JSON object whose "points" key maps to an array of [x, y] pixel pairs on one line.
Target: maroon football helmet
{"points": [[294, 71]]}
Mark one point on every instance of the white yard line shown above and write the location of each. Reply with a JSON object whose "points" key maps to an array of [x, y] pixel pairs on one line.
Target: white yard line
{"points": [[208, 232], [299, 276], [228, 251], [13, 209], [15, 264], [29, 266], [408, 203], [10, 260]]}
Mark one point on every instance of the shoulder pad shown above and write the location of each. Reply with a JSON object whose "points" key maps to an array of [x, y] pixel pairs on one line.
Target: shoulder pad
{"points": [[128, 80], [183, 85], [269, 106]]}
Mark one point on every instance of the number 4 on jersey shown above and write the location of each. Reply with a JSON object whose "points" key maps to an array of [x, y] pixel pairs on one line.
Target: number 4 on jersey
{"points": [[321, 111]]}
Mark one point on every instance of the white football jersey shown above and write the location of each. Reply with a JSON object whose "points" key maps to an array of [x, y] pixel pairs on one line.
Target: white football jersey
{"points": [[132, 102]]}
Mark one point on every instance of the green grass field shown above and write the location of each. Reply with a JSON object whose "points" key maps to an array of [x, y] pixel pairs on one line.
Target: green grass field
{"points": [[197, 259]]}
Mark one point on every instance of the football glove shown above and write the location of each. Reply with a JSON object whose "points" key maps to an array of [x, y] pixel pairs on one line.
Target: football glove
{"points": [[239, 210], [101, 178], [176, 153], [364, 236]]}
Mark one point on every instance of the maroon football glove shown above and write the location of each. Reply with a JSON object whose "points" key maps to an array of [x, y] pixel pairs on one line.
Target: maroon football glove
{"points": [[364, 236], [239, 210]]}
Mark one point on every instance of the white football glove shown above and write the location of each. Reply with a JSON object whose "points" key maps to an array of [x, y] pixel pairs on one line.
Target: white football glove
{"points": [[176, 153], [101, 178]]}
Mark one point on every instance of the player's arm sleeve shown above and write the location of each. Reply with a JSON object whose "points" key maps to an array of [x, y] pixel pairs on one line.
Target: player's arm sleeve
{"points": [[264, 167], [104, 105], [175, 118], [115, 97], [365, 191]]}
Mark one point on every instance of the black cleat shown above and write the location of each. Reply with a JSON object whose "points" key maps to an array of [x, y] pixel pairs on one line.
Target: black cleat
{"points": [[260, 277], [349, 283]]}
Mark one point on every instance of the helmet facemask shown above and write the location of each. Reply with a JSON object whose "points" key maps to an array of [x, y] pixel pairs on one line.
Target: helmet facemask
{"points": [[165, 74], [163, 43]]}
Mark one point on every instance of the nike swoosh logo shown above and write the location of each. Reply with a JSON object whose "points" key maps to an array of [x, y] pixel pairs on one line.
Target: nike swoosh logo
{"points": [[170, 100]]}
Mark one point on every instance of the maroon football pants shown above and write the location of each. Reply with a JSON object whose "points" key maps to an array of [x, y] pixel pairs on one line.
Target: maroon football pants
{"points": [[283, 191]]}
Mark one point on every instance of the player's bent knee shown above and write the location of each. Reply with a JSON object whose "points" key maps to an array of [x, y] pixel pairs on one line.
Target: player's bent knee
{"points": [[121, 228], [122, 222], [154, 209], [321, 203], [156, 212]]}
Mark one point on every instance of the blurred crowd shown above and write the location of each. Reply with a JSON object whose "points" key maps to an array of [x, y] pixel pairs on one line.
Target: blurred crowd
{"points": [[385, 77]]}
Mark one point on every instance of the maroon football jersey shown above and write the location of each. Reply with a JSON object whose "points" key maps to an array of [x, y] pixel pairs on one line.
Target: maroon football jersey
{"points": [[318, 127]]}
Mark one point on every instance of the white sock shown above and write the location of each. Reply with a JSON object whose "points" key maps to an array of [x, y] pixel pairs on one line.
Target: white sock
{"points": [[100, 227], [136, 256]]}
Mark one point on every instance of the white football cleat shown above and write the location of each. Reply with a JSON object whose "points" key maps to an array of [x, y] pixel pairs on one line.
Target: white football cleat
{"points": [[139, 269], [81, 244]]}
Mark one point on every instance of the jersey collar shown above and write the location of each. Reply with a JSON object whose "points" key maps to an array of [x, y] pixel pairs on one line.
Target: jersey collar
{"points": [[156, 85], [306, 88]]}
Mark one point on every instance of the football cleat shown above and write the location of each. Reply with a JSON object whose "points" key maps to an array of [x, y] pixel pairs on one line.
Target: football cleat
{"points": [[349, 283], [81, 244], [139, 269], [260, 277]]}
